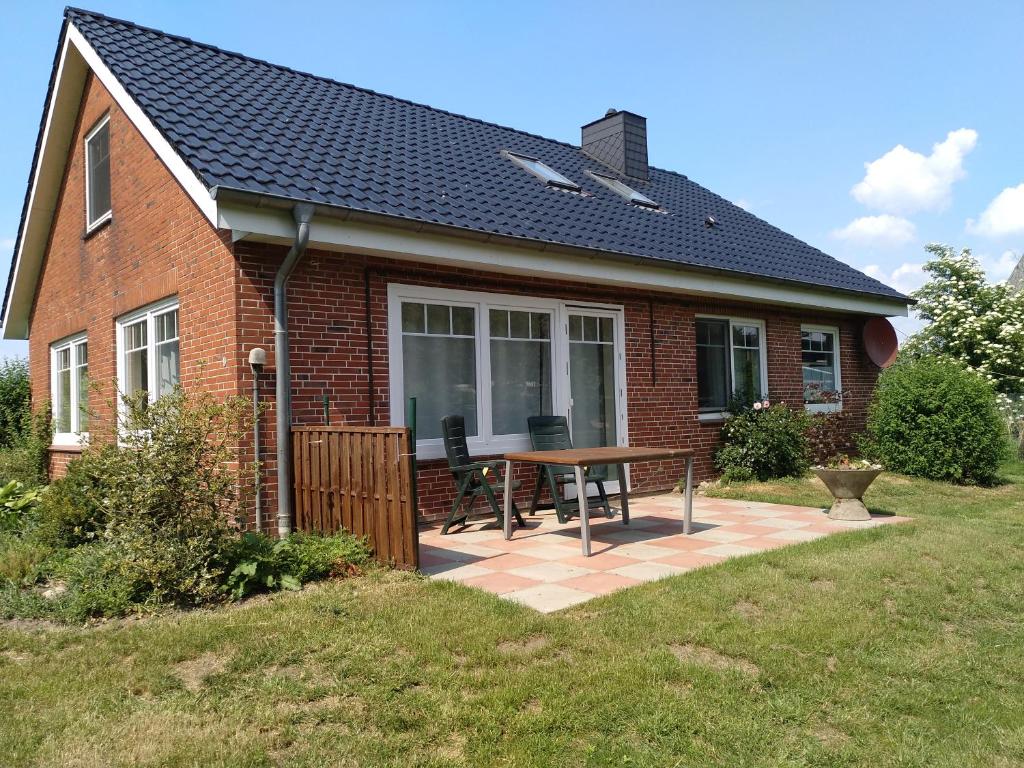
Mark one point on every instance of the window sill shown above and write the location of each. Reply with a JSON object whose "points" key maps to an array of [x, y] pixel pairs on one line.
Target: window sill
{"points": [[103, 223], [715, 417], [60, 447], [823, 407]]}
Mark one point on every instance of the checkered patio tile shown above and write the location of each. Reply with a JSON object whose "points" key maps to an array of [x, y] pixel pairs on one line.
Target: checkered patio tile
{"points": [[541, 566]]}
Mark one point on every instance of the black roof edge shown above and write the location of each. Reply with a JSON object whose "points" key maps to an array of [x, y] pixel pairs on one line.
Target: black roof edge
{"points": [[405, 222]]}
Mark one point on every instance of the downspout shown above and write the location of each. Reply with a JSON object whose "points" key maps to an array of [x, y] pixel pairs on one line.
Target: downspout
{"points": [[303, 213]]}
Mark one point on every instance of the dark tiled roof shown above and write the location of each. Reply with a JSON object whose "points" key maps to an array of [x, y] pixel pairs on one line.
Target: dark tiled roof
{"points": [[249, 125]]}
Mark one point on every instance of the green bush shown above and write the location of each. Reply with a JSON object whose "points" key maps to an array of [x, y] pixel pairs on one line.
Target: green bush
{"points": [[262, 563], [70, 513], [15, 401], [932, 418], [167, 495], [26, 459], [763, 443], [97, 584]]}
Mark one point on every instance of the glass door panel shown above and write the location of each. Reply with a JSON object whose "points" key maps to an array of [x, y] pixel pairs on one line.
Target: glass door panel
{"points": [[593, 390]]}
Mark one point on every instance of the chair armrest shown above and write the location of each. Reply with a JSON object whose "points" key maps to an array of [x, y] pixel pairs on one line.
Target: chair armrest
{"points": [[493, 466]]}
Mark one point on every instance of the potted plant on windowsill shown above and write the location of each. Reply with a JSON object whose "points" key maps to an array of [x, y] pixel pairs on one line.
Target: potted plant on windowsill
{"points": [[847, 480]]}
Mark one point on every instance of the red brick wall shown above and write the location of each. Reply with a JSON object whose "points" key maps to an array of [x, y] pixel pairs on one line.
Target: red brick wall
{"points": [[328, 353], [156, 245]]}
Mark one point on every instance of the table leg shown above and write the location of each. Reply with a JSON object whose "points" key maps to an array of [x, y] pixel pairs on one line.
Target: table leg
{"points": [[507, 500], [623, 494], [688, 502], [581, 495]]}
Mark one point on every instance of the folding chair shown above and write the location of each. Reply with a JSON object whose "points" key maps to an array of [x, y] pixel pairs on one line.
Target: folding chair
{"points": [[471, 477], [551, 433]]}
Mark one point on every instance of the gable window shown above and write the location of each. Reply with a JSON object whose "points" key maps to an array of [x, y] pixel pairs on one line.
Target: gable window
{"points": [[626, 191], [97, 175], [731, 362], [819, 357], [69, 385], [543, 172], [148, 353]]}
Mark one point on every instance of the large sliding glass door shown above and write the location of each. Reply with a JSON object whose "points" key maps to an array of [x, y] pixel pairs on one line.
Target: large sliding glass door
{"points": [[498, 359]]}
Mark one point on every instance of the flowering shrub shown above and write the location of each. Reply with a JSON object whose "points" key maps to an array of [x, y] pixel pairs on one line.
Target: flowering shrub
{"points": [[976, 323], [933, 418], [764, 442]]}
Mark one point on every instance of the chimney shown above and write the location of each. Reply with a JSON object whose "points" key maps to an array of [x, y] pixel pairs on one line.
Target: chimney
{"points": [[619, 140]]}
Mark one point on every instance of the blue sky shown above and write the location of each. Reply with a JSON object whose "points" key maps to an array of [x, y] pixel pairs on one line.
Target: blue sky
{"points": [[866, 129]]}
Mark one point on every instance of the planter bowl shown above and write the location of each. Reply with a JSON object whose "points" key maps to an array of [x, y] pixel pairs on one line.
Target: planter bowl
{"points": [[847, 487]]}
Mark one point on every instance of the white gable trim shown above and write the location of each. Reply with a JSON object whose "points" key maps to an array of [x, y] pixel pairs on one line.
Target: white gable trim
{"points": [[77, 57]]}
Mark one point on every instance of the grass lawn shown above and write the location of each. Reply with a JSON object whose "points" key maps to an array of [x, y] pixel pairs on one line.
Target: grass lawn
{"points": [[901, 645]]}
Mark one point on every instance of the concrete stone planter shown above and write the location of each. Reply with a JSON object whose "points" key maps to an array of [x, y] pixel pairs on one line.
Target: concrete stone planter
{"points": [[847, 487]]}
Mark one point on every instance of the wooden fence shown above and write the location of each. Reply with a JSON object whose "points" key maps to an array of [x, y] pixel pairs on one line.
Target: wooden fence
{"points": [[359, 479]]}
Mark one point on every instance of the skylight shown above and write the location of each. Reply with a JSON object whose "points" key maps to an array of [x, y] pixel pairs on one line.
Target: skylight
{"points": [[548, 175], [624, 190]]}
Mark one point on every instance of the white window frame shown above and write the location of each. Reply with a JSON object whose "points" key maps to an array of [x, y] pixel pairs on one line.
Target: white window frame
{"points": [[734, 321], [75, 437], [834, 330], [542, 171], [487, 443], [91, 224], [148, 313], [622, 189]]}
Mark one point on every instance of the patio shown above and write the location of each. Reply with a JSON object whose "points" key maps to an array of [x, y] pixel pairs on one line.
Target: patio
{"points": [[541, 566]]}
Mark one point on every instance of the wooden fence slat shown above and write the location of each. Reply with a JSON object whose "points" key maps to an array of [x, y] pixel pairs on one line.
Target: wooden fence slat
{"points": [[346, 482], [325, 482]]}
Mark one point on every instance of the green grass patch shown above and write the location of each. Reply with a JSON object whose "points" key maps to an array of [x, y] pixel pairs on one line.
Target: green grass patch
{"points": [[895, 646]]}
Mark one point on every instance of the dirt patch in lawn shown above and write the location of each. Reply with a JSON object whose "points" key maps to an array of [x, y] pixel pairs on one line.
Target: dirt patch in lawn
{"points": [[748, 610], [829, 736], [522, 647], [193, 672], [706, 657]]}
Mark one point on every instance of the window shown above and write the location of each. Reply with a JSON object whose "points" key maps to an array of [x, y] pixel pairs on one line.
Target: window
{"points": [[819, 353], [148, 353], [439, 364], [624, 190], [730, 362], [69, 366], [520, 352], [97, 175], [548, 175], [499, 359]]}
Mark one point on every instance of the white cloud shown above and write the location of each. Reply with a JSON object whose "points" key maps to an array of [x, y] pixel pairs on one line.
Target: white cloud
{"points": [[743, 203], [7, 244], [884, 230], [1004, 215], [907, 277], [999, 268], [904, 181]]}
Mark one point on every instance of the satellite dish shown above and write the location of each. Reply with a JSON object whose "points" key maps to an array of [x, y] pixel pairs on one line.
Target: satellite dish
{"points": [[880, 341]]}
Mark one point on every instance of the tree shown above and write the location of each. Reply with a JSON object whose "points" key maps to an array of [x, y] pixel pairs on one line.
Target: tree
{"points": [[972, 321]]}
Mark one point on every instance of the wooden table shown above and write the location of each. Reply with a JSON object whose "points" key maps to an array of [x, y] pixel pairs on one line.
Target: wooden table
{"points": [[579, 458]]}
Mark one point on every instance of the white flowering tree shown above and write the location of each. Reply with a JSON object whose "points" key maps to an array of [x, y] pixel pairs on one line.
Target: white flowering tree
{"points": [[971, 320]]}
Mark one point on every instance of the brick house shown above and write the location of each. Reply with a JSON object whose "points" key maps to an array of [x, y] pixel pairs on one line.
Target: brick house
{"points": [[180, 195]]}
